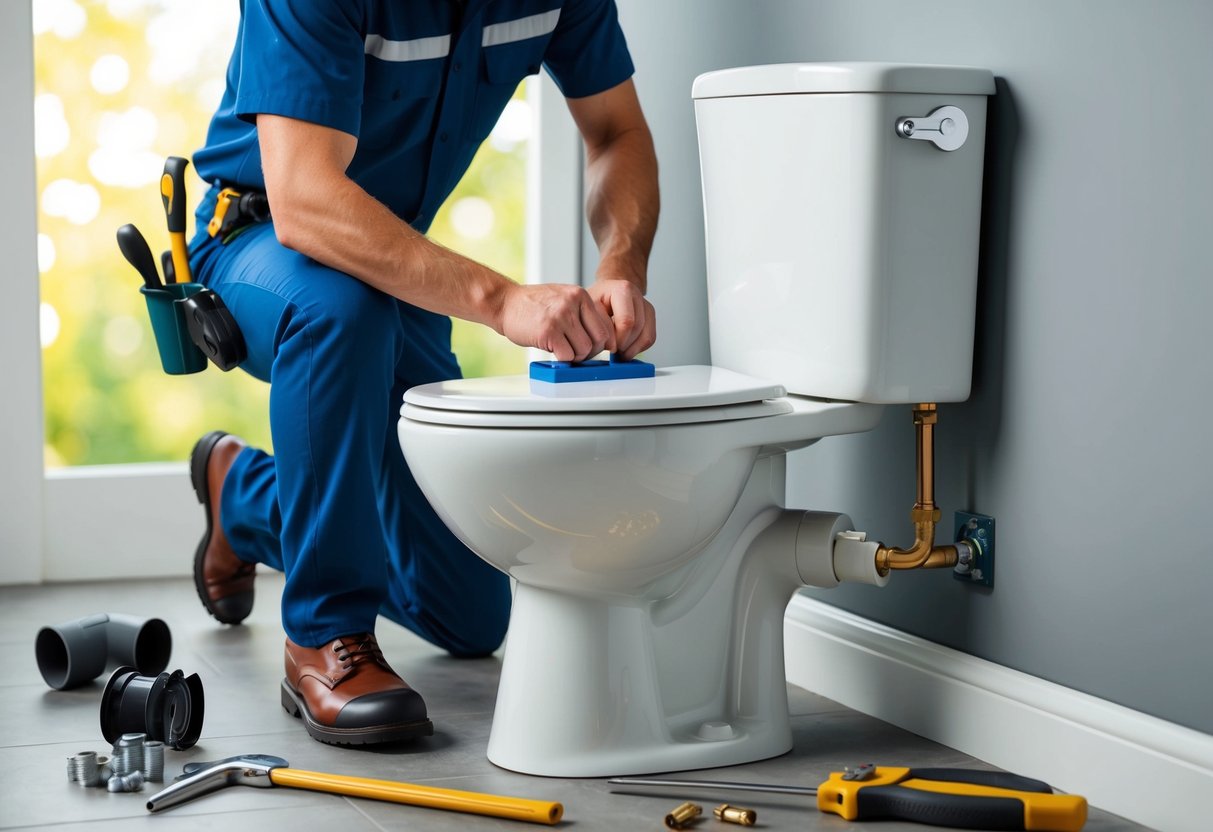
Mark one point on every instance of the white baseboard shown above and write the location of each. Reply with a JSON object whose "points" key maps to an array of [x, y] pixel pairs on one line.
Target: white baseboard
{"points": [[1137, 766]]}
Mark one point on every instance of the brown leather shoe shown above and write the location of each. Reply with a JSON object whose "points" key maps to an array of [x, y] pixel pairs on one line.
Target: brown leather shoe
{"points": [[346, 694], [224, 581]]}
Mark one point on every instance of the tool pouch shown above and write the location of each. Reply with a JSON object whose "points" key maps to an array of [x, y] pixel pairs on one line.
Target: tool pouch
{"points": [[166, 306], [191, 324]]}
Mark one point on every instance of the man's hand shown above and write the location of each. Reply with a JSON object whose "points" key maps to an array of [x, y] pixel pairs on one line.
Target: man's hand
{"points": [[622, 203], [563, 320], [632, 316]]}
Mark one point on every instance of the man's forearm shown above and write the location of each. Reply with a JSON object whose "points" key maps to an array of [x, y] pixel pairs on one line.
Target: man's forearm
{"points": [[337, 223], [622, 204]]}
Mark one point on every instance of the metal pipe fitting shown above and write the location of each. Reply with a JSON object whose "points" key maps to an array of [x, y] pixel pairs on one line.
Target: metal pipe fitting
{"points": [[153, 761], [735, 814], [78, 651], [132, 782], [128, 753], [82, 769], [168, 707], [681, 816]]}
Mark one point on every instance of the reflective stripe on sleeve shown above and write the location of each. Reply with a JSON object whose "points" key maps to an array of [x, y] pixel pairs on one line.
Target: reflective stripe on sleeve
{"points": [[523, 28]]}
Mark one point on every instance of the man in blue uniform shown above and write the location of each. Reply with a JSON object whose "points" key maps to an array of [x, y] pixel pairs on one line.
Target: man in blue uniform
{"points": [[356, 120]]}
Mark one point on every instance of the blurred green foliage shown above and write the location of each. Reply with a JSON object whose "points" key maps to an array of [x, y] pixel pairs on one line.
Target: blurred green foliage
{"points": [[106, 398]]}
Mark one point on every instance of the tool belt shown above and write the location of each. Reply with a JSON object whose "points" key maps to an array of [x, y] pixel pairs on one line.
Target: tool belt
{"points": [[235, 211]]}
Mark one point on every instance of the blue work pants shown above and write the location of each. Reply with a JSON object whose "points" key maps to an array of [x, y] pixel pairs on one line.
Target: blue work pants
{"points": [[335, 507]]}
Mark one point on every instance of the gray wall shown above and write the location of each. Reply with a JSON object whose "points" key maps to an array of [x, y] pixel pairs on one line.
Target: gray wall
{"points": [[1086, 435]]}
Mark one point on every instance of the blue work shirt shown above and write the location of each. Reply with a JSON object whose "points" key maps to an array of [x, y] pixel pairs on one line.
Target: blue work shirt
{"points": [[420, 83]]}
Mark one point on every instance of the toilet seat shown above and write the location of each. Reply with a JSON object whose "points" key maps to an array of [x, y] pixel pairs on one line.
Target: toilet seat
{"points": [[675, 395]]}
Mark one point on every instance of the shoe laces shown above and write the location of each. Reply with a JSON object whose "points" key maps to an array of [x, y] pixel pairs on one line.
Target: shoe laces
{"points": [[356, 650]]}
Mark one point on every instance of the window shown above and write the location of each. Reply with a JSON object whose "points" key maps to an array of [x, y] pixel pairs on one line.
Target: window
{"points": [[119, 86], [117, 521]]}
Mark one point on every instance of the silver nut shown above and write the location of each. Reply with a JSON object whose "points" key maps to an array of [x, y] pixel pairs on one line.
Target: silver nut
{"points": [[132, 782]]}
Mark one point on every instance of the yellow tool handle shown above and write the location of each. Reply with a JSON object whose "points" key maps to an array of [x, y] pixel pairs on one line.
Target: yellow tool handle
{"points": [[172, 192], [433, 797], [181, 258]]}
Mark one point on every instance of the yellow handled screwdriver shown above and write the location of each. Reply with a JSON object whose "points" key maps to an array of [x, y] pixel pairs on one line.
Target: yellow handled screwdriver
{"points": [[172, 192], [955, 797]]}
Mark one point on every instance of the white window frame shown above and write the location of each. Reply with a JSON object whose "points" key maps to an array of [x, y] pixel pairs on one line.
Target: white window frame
{"points": [[21, 499], [139, 520]]}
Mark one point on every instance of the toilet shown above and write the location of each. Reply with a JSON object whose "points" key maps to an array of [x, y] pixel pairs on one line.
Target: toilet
{"points": [[643, 520]]}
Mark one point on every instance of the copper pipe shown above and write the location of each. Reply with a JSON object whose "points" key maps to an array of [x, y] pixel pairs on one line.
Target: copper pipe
{"points": [[925, 514]]}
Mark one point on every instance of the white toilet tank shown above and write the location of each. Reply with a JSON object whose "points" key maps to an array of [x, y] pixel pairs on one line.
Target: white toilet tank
{"points": [[842, 242]]}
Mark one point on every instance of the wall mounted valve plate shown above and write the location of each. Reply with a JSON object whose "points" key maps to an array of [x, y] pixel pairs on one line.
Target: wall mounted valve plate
{"points": [[978, 531]]}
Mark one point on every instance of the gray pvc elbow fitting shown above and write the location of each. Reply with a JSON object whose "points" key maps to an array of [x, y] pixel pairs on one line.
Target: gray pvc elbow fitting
{"points": [[75, 652]]}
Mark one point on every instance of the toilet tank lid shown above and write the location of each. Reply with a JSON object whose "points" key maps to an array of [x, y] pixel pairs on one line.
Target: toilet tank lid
{"points": [[847, 76]]}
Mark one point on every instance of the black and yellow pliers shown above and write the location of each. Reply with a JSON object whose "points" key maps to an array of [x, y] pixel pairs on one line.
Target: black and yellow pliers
{"points": [[954, 797]]}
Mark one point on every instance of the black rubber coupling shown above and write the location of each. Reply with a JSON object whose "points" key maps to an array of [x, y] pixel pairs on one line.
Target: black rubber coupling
{"points": [[167, 707]]}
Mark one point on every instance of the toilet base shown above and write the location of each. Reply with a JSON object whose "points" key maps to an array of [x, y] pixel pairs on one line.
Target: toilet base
{"points": [[753, 743], [584, 693]]}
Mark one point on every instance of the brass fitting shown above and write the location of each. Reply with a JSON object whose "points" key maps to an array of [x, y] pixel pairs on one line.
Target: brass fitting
{"points": [[681, 816], [925, 514], [735, 814]]}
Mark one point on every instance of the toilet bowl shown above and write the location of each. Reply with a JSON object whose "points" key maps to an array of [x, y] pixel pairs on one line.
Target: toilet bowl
{"points": [[601, 488], [646, 631], [644, 520]]}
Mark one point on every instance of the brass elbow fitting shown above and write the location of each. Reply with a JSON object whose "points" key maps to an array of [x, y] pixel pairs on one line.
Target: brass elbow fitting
{"points": [[922, 555]]}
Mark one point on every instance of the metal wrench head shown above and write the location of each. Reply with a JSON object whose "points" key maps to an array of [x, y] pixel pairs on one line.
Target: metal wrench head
{"points": [[250, 770], [199, 765]]}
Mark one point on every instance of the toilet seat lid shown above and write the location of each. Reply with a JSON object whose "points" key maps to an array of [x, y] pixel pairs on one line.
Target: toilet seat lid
{"points": [[697, 393]]}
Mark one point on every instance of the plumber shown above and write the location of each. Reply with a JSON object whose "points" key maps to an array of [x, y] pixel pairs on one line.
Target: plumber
{"points": [[354, 121]]}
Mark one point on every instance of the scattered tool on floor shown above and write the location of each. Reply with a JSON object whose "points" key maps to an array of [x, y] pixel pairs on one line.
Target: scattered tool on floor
{"points": [[264, 771], [953, 797], [562, 371]]}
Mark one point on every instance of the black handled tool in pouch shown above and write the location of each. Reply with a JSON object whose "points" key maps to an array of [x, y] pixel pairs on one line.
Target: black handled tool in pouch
{"points": [[139, 254]]}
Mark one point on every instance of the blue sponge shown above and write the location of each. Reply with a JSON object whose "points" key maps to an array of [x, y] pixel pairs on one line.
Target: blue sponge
{"points": [[562, 371]]}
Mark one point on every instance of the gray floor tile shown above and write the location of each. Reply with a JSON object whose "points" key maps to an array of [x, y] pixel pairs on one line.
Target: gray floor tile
{"points": [[270, 815], [241, 668]]}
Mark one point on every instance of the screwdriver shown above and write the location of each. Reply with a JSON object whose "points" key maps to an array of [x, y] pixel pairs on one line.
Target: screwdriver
{"points": [[953, 797], [137, 252], [172, 192]]}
